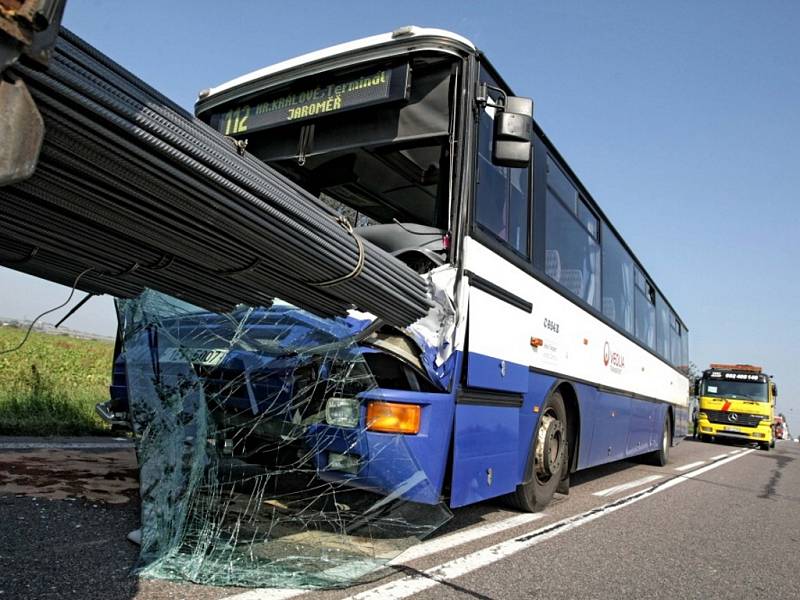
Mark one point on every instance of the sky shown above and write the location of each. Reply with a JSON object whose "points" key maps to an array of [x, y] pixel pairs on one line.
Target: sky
{"points": [[681, 118]]}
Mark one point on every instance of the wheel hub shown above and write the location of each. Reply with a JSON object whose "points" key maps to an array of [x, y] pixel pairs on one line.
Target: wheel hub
{"points": [[549, 449]]}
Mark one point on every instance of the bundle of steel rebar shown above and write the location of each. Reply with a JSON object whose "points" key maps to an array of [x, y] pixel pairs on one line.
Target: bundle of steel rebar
{"points": [[136, 189]]}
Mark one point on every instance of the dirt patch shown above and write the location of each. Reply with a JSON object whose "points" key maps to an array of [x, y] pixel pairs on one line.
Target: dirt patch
{"points": [[56, 474]]}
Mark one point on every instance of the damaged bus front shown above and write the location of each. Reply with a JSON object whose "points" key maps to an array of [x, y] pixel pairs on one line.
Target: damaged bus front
{"points": [[281, 382], [374, 133]]}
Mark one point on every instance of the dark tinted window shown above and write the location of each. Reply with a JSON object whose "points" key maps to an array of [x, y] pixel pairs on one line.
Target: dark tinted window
{"points": [[644, 310], [617, 281], [674, 340], [685, 351], [663, 339], [502, 199], [561, 186], [587, 218], [572, 255], [676, 336]]}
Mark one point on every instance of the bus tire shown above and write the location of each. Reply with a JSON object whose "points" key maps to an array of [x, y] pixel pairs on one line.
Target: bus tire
{"points": [[549, 460], [661, 456], [765, 446], [772, 443]]}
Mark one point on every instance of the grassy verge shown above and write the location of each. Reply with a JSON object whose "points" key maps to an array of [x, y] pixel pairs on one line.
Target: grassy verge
{"points": [[51, 384]]}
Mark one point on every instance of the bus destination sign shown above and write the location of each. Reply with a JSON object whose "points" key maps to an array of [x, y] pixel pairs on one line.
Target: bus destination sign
{"points": [[339, 95]]}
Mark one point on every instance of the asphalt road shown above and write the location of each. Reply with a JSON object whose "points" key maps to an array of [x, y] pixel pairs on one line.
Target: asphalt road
{"points": [[718, 522]]}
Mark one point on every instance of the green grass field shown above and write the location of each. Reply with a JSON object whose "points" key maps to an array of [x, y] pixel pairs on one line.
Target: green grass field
{"points": [[51, 384]]}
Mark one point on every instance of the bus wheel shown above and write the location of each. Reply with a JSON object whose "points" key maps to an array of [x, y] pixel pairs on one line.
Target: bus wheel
{"points": [[549, 460], [661, 456], [772, 443], [765, 446]]}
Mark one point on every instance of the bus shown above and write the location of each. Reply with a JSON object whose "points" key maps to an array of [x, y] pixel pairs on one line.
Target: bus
{"points": [[558, 353]]}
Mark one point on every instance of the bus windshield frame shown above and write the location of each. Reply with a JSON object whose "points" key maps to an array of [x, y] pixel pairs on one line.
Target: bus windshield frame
{"points": [[386, 157]]}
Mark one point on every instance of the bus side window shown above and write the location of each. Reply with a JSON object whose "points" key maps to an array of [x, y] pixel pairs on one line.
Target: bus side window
{"points": [[501, 200], [617, 269], [662, 328], [675, 340], [644, 310], [572, 255], [685, 350]]}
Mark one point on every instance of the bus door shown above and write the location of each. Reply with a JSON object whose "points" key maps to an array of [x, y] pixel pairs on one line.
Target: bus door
{"points": [[488, 455], [487, 460], [486, 443]]}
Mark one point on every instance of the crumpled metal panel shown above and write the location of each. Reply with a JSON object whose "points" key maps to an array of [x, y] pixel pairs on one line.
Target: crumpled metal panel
{"points": [[270, 508]]}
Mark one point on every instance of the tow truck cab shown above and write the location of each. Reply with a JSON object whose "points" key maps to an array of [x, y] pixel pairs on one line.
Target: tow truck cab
{"points": [[736, 401]]}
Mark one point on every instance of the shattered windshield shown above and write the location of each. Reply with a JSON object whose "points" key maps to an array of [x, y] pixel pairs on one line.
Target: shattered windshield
{"points": [[258, 467], [281, 329]]}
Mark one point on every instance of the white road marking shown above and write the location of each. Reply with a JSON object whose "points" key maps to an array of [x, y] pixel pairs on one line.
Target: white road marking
{"points": [[65, 445], [413, 584], [462, 537], [628, 486], [268, 594], [690, 465], [718, 456], [433, 546]]}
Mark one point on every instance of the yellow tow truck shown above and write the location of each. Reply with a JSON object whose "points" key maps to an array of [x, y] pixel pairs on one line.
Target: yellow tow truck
{"points": [[736, 401]]}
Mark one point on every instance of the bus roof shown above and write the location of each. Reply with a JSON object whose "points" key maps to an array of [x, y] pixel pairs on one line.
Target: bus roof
{"points": [[207, 98], [399, 34]]}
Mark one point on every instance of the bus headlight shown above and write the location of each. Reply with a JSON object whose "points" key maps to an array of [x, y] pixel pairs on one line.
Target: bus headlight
{"points": [[342, 412]]}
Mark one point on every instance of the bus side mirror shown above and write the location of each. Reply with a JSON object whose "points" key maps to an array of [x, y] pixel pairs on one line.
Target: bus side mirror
{"points": [[513, 131], [696, 388], [774, 391]]}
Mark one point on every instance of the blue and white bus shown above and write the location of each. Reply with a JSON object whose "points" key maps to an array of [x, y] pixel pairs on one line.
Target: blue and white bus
{"points": [[555, 350]]}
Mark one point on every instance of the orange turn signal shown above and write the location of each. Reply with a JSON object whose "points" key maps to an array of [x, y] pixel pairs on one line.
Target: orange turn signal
{"points": [[393, 417]]}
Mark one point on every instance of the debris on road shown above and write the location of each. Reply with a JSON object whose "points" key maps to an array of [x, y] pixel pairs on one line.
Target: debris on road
{"points": [[107, 477]]}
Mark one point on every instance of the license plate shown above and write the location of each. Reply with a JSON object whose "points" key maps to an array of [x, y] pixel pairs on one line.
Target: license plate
{"points": [[733, 429], [208, 358]]}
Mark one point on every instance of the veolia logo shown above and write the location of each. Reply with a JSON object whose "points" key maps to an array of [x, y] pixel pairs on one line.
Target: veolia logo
{"points": [[614, 360]]}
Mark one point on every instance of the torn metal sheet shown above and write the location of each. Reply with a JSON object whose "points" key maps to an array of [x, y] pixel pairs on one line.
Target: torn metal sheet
{"points": [[243, 480]]}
